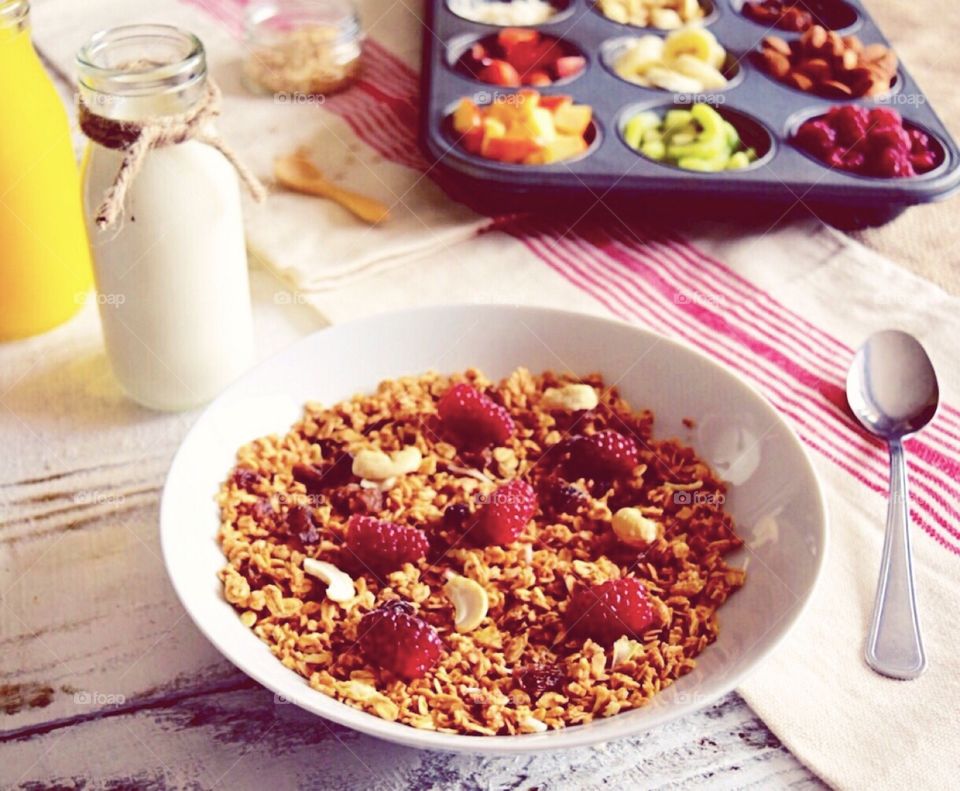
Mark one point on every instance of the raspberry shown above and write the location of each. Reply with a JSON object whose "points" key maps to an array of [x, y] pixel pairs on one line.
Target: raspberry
{"points": [[606, 453], [884, 116], [895, 137], [384, 546], [394, 638], [851, 124], [923, 161], [536, 679], [891, 163], [610, 610], [505, 513], [919, 141], [817, 137], [473, 416]]}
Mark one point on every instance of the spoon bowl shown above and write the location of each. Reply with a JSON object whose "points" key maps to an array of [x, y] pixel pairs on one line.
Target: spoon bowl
{"points": [[891, 386]]}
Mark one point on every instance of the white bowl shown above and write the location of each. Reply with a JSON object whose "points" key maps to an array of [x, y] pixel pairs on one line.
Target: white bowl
{"points": [[775, 496]]}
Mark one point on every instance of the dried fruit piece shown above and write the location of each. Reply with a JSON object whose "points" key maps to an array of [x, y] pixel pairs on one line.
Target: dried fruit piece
{"points": [[301, 523], [339, 584], [633, 528], [610, 610], [470, 601], [394, 638], [535, 679], [471, 414], [563, 497], [505, 514], [384, 546]]}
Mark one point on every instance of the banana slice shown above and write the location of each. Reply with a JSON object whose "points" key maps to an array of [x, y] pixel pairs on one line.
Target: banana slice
{"points": [[695, 41], [639, 55], [671, 80], [707, 75]]}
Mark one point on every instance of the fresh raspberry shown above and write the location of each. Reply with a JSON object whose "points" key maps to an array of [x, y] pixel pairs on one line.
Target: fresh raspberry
{"points": [[919, 141], [505, 514], [474, 416], [817, 137], [923, 161], [884, 116], [384, 546], [850, 123], [606, 453], [610, 610], [891, 163], [895, 137], [394, 638]]}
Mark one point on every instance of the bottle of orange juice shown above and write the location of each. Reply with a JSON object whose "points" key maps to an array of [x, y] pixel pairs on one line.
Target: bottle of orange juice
{"points": [[44, 256]]}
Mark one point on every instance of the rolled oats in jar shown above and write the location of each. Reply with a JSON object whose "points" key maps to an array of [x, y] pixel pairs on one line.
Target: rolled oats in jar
{"points": [[307, 47]]}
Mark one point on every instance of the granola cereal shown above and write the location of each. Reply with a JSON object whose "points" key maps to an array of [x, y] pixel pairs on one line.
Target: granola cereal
{"points": [[519, 661]]}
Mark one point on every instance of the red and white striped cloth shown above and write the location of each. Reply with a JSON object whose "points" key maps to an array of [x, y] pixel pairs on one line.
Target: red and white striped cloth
{"points": [[784, 309]]}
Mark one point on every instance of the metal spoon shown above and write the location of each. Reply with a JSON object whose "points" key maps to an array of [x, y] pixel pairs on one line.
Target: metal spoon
{"points": [[892, 389]]}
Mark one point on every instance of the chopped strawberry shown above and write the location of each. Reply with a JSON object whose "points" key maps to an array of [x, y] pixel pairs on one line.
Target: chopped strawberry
{"points": [[569, 65], [470, 414], [384, 546], [393, 637], [505, 514], [610, 610], [499, 72]]}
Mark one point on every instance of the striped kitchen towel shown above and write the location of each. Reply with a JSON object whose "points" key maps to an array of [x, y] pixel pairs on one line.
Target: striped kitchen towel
{"points": [[784, 307]]}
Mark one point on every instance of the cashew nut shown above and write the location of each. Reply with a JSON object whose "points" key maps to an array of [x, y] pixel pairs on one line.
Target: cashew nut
{"points": [[470, 601], [633, 528], [375, 465], [340, 587], [570, 398], [624, 650], [531, 724]]}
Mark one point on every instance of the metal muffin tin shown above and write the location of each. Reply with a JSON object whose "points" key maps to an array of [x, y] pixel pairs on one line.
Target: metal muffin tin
{"points": [[754, 101]]}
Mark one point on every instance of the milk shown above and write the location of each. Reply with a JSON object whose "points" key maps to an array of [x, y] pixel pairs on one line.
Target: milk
{"points": [[171, 274]]}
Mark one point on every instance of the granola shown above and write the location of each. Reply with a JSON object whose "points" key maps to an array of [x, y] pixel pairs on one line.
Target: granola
{"points": [[509, 656]]}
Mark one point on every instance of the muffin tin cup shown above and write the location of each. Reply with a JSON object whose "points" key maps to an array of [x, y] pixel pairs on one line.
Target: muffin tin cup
{"points": [[622, 175], [855, 23]]}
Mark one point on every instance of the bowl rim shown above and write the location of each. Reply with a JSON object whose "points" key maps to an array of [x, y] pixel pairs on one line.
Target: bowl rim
{"points": [[333, 710]]}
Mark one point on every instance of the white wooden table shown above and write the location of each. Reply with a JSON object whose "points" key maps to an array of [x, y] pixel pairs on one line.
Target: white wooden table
{"points": [[104, 680]]}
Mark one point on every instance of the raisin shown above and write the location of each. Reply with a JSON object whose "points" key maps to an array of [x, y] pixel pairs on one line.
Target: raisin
{"points": [[300, 523], [455, 515], [536, 679], [563, 497], [246, 479], [317, 478]]}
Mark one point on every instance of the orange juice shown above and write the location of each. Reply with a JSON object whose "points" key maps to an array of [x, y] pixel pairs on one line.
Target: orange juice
{"points": [[44, 257]]}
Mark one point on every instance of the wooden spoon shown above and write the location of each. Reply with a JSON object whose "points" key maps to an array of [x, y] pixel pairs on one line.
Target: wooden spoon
{"points": [[296, 172]]}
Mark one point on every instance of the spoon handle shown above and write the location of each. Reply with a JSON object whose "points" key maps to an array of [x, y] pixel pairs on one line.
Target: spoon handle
{"points": [[893, 646]]}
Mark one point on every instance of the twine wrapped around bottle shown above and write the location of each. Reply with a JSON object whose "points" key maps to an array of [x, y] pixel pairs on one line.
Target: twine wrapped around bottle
{"points": [[137, 138]]}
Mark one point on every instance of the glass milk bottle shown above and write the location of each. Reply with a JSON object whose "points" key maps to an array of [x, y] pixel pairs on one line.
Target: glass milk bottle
{"points": [[44, 258], [170, 264]]}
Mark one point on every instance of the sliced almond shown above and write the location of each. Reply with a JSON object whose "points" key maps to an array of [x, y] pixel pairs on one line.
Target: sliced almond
{"points": [[470, 601], [340, 587]]}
